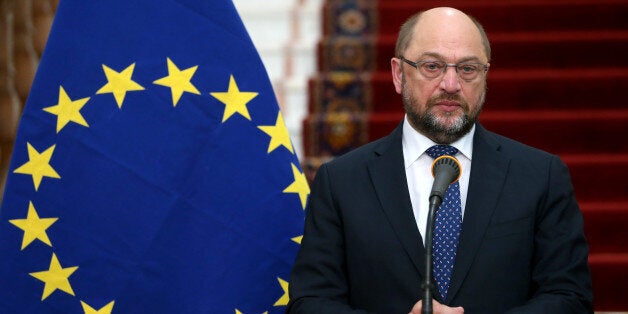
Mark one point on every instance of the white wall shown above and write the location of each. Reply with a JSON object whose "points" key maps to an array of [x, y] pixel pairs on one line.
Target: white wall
{"points": [[285, 33]]}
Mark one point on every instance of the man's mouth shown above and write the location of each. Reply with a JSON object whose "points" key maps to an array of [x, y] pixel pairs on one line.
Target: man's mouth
{"points": [[448, 105]]}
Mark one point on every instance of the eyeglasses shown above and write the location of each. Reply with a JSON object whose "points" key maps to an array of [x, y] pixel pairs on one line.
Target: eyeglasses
{"points": [[467, 71]]}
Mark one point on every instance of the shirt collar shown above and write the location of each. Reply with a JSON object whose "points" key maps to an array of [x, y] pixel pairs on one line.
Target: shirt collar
{"points": [[415, 144]]}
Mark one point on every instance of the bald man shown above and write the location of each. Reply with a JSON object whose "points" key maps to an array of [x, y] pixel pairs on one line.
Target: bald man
{"points": [[509, 240]]}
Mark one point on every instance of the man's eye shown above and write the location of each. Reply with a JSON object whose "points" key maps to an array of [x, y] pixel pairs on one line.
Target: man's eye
{"points": [[467, 68], [431, 66]]}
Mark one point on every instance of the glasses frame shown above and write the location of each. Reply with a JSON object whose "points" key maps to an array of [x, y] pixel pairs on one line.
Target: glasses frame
{"points": [[418, 63]]}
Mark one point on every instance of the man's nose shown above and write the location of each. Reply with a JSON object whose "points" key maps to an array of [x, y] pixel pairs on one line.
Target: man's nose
{"points": [[450, 82]]}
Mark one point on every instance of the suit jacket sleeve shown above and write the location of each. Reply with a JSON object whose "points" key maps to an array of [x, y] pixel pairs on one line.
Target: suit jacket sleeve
{"points": [[318, 279], [560, 272]]}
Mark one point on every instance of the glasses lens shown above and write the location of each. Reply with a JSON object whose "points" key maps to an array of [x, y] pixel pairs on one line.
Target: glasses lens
{"points": [[468, 71], [431, 69]]}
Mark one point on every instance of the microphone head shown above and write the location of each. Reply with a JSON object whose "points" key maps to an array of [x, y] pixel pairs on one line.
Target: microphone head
{"points": [[446, 170], [450, 162]]}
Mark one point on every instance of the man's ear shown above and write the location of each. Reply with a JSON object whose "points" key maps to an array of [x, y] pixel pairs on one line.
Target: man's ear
{"points": [[395, 68]]}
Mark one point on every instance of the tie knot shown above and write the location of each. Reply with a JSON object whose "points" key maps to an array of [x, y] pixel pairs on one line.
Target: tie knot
{"points": [[440, 150]]}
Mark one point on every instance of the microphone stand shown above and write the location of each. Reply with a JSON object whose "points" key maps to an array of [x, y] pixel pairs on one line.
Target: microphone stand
{"points": [[427, 285], [446, 170]]}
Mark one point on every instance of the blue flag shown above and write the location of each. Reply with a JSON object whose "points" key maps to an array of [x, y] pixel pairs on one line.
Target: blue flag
{"points": [[152, 171]]}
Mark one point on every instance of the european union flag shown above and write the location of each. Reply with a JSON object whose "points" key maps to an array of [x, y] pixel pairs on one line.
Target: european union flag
{"points": [[152, 171]]}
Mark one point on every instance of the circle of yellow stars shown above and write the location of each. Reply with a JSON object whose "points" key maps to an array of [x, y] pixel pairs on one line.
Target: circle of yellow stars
{"points": [[119, 84]]}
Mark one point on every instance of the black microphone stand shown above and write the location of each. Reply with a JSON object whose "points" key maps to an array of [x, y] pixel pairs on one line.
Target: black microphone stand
{"points": [[446, 170], [427, 286]]}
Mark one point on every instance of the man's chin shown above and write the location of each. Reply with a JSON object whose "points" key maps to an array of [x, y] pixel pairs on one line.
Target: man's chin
{"points": [[441, 126], [447, 130], [449, 122]]}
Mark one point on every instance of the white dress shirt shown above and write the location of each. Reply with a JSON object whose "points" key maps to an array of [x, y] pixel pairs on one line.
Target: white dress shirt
{"points": [[418, 170]]}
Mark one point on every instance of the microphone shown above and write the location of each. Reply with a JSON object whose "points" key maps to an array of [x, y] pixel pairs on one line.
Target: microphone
{"points": [[446, 170]]}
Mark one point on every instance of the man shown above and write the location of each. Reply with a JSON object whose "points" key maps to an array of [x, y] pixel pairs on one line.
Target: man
{"points": [[517, 243]]}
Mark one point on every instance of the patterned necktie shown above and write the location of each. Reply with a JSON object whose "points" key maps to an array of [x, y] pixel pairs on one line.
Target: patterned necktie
{"points": [[446, 227]]}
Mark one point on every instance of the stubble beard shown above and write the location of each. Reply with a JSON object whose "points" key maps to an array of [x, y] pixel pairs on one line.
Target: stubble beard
{"points": [[441, 130]]}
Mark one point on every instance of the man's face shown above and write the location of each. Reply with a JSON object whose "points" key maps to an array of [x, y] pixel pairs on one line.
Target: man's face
{"points": [[443, 108]]}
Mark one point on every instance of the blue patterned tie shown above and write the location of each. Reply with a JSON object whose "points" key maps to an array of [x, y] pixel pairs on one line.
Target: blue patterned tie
{"points": [[446, 227]]}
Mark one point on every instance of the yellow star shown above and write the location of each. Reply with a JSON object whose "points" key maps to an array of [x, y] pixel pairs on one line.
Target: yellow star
{"points": [[278, 134], [38, 165], [238, 312], [104, 310], [178, 81], [283, 301], [68, 110], [297, 239], [55, 278], [299, 185], [34, 227], [234, 100], [119, 83]]}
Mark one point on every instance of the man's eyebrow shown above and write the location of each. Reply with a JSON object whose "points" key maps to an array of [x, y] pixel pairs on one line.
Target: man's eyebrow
{"points": [[440, 57], [470, 58], [431, 54]]}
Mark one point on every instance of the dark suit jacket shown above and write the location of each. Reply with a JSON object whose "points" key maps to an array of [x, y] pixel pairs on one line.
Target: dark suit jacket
{"points": [[521, 249]]}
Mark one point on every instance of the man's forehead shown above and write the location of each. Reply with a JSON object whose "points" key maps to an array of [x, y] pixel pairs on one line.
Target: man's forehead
{"points": [[446, 32]]}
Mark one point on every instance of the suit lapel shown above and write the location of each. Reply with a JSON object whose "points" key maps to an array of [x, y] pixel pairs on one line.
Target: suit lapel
{"points": [[488, 172], [389, 179]]}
